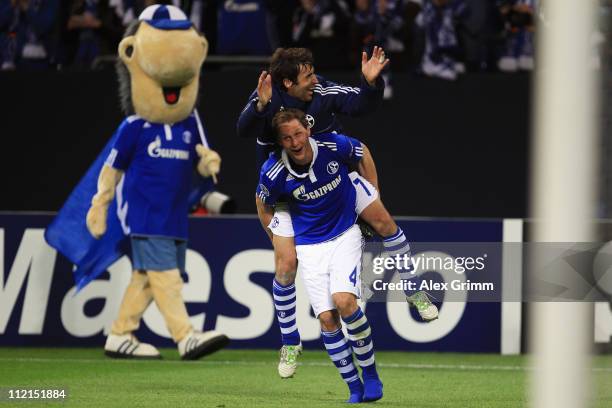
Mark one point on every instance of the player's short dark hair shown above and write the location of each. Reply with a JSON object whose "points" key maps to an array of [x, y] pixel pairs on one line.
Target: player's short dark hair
{"points": [[286, 62], [285, 116]]}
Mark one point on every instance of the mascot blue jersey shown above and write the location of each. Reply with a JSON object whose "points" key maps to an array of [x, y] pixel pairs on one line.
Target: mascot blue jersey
{"points": [[322, 200], [158, 161]]}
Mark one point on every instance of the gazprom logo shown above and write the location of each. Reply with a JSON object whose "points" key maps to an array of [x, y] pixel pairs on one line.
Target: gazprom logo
{"points": [[301, 194], [156, 151], [154, 146]]}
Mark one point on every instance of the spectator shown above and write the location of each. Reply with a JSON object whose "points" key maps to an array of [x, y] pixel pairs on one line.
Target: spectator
{"points": [[489, 35], [208, 22], [94, 28], [279, 15], [440, 20], [378, 23], [125, 9], [413, 36], [202, 13], [242, 28], [26, 33], [322, 26], [519, 27]]}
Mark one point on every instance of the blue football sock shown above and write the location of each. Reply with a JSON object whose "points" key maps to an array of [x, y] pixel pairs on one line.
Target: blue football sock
{"points": [[284, 303], [341, 355], [360, 338], [395, 245]]}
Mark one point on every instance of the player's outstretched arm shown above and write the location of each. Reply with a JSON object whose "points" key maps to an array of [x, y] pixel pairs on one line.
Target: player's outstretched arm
{"points": [[252, 119], [367, 168], [350, 100], [264, 91], [265, 214]]}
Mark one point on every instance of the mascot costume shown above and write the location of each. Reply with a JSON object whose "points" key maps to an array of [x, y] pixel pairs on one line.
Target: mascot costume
{"points": [[150, 164]]}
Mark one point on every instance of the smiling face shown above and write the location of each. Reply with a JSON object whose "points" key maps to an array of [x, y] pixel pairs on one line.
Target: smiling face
{"points": [[293, 138], [303, 89], [164, 67]]}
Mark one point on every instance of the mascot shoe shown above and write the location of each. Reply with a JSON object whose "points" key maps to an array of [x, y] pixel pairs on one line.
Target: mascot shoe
{"points": [[199, 344], [127, 346]]}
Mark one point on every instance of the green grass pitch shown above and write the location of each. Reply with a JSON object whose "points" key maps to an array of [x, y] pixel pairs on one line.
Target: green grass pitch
{"points": [[248, 378]]}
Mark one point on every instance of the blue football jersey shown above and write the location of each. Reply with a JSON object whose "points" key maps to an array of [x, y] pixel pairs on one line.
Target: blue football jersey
{"points": [[328, 101], [158, 160], [321, 200]]}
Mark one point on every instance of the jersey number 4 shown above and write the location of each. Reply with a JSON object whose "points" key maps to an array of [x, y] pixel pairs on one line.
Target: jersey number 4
{"points": [[353, 277]]}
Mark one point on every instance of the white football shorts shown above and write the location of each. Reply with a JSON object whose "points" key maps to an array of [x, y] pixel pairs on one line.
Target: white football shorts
{"points": [[366, 194], [331, 267]]}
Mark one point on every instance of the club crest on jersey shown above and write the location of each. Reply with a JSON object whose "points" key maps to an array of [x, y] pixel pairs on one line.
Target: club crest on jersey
{"points": [[274, 222], [310, 121], [156, 151], [187, 137], [332, 167], [301, 194]]}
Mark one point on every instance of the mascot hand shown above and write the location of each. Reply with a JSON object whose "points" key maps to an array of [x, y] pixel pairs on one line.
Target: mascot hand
{"points": [[96, 216], [210, 162], [96, 220]]}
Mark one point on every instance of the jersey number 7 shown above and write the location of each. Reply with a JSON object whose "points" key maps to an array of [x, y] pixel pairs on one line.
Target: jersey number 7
{"points": [[358, 181]]}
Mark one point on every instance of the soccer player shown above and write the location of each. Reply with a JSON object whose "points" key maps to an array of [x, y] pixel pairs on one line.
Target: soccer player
{"points": [[313, 174], [292, 83]]}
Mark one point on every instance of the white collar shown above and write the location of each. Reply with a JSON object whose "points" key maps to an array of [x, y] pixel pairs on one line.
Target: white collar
{"points": [[310, 173]]}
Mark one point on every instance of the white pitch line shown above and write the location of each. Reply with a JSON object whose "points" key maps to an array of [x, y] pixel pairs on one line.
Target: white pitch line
{"points": [[459, 367]]}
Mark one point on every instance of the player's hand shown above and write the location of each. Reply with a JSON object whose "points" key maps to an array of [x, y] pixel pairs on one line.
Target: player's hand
{"points": [[264, 90], [371, 68], [210, 162], [96, 220]]}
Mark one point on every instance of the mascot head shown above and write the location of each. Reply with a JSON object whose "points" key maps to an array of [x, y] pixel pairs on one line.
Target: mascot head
{"points": [[160, 58]]}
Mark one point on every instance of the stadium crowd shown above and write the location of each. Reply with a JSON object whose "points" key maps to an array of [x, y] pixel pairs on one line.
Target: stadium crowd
{"points": [[439, 38]]}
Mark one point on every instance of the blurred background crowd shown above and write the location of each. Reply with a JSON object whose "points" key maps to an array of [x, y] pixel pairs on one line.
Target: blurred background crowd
{"points": [[439, 38]]}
